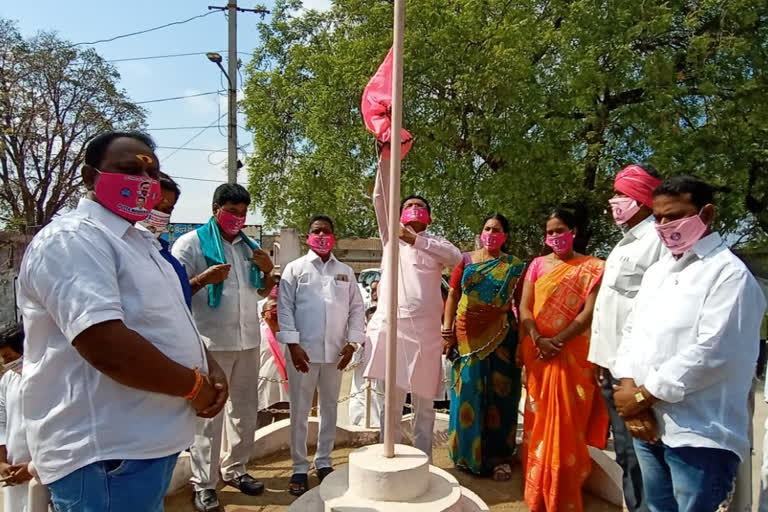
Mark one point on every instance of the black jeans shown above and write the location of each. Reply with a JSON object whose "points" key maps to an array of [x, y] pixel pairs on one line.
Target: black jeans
{"points": [[625, 451]]}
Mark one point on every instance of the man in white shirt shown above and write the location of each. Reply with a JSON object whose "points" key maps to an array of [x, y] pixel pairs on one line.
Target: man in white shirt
{"points": [[114, 367], [632, 207], [320, 312], [687, 357], [227, 314]]}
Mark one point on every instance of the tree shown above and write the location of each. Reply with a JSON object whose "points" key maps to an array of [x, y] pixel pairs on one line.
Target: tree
{"points": [[514, 106], [53, 98]]}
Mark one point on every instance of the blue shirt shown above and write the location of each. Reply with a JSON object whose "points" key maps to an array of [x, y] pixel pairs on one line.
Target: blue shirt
{"points": [[180, 271]]}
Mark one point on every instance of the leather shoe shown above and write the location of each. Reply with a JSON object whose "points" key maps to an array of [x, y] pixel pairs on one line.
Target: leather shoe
{"points": [[246, 484], [206, 501]]}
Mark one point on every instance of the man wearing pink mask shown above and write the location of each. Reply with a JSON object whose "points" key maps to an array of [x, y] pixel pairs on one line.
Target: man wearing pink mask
{"points": [[115, 369], [321, 317], [423, 256], [632, 207], [687, 356], [232, 274]]}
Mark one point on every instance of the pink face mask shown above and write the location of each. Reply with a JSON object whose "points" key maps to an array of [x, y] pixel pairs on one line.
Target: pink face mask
{"points": [[624, 208], [230, 223], [562, 243], [131, 197], [681, 234], [321, 243], [415, 214], [493, 241]]}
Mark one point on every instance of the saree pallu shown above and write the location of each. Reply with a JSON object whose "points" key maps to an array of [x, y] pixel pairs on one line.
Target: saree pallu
{"points": [[485, 389], [564, 410]]}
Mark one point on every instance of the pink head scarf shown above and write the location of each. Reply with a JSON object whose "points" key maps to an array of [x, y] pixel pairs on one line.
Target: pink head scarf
{"points": [[637, 184], [377, 108]]}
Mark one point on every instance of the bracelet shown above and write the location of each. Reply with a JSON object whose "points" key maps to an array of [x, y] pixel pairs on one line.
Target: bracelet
{"points": [[196, 387]]}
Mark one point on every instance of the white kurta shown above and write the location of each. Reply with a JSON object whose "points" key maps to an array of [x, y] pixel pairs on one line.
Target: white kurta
{"points": [[420, 305], [270, 392], [13, 437]]}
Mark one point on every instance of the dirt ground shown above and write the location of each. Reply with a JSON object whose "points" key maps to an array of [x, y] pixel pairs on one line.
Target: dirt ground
{"points": [[275, 471]]}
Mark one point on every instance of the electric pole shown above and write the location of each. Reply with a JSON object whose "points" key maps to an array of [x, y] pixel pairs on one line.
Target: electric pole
{"points": [[232, 162]]}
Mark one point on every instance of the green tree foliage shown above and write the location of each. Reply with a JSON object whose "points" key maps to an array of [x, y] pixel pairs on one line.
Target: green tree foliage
{"points": [[514, 106], [53, 98]]}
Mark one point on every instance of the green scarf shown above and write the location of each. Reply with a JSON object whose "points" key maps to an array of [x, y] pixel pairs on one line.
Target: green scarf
{"points": [[213, 252]]}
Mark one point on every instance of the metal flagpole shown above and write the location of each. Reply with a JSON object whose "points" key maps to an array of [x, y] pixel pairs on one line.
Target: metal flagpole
{"points": [[391, 411]]}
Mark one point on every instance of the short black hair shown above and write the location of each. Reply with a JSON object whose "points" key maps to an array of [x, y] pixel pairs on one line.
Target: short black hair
{"points": [[651, 171], [369, 312], [231, 193], [167, 183], [13, 338], [97, 146], [415, 196], [325, 218], [701, 193]]}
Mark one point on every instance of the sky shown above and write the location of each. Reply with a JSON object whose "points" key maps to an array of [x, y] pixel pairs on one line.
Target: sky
{"points": [[90, 20]]}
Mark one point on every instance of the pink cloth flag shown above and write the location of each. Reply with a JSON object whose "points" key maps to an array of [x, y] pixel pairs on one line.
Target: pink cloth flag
{"points": [[278, 356], [377, 108]]}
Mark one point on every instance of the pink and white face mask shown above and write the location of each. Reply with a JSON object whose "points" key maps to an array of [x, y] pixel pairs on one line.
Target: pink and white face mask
{"points": [[230, 223], [492, 240], [561, 243], [129, 196], [623, 209], [321, 243], [682, 234], [415, 214]]}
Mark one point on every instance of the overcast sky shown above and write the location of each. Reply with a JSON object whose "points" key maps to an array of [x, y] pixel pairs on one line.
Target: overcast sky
{"points": [[90, 20]]}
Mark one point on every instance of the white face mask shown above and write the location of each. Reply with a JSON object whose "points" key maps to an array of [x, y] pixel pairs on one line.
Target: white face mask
{"points": [[156, 223]]}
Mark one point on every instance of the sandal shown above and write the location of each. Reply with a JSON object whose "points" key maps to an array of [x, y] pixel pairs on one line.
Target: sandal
{"points": [[502, 472], [298, 485], [323, 472]]}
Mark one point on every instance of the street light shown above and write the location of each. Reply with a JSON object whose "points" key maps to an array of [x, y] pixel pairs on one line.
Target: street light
{"points": [[232, 162]]}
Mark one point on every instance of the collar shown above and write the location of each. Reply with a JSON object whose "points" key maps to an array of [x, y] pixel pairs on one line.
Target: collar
{"points": [[93, 210], [312, 257], [645, 227], [155, 241], [707, 245]]}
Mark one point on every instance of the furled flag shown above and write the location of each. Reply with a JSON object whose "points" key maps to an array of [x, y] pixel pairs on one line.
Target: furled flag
{"points": [[377, 108]]}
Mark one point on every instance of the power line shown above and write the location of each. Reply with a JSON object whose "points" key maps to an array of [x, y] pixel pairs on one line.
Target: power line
{"points": [[193, 137], [201, 179], [147, 30], [165, 128], [184, 148], [173, 98], [151, 57]]}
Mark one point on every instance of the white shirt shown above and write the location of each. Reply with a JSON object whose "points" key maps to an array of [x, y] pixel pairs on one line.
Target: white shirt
{"points": [[320, 307], [270, 392], [640, 248], [84, 268], [234, 325], [12, 433], [691, 340]]}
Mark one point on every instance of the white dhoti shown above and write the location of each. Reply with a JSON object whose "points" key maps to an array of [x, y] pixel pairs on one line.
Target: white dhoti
{"points": [[358, 395], [327, 380], [239, 416], [15, 498]]}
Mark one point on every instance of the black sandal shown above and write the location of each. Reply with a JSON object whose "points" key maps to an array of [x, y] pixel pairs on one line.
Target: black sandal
{"points": [[299, 484], [323, 472]]}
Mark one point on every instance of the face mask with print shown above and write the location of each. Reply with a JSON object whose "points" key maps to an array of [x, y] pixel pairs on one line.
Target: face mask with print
{"points": [[493, 241], [129, 196], [321, 243], [156, 223], [230, 223], [681, 234], [562, 243], [415, 214], [623, 209]]}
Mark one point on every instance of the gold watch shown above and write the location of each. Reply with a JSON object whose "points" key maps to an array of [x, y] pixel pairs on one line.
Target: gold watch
{"points": [[639, 397]]}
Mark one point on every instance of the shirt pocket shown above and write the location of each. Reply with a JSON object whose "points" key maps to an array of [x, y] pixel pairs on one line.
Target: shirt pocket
{"points": [[628, 278], [678, 312], [304, 280], [340, 292]]}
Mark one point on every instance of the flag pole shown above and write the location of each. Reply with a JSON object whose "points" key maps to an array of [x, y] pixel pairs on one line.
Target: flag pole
{"points": [[391, 415]]}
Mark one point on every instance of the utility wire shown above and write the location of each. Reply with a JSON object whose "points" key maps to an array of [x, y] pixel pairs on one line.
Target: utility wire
{"points": [[193, 137], [147, 30], [184, 148], [204, 179], [151, 57], [173, 98], [165, 128]]}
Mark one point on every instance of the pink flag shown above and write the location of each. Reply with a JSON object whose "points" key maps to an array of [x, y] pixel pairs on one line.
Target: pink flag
{"points": [[278, 356], [377, 108]]}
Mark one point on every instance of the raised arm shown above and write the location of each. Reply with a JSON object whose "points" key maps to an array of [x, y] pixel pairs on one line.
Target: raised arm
{"points": [[381, 199], [439, 248]]}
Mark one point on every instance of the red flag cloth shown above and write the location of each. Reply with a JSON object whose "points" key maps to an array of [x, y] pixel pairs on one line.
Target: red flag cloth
{"points": [[377, 108], [637, 184]]}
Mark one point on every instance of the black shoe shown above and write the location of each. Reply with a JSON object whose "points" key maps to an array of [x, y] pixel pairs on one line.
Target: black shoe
{"points": [[206, 501], [246, 484], [323, 472]]}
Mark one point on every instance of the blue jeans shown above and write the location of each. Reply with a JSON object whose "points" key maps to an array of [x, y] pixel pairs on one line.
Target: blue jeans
{"points": [[686, 479], [115, 486]]}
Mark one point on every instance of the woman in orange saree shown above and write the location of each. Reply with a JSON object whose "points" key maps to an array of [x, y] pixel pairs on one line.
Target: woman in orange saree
{"points": [[564, 411]]}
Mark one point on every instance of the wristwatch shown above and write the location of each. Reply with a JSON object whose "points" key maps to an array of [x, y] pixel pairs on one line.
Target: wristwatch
{"points": [[639, 397]]}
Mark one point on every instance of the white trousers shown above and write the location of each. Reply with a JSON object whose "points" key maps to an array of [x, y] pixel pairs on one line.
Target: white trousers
{"points": [[423, 421], [301, 387], [763, 506], [15, 498], [239, 416]]}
